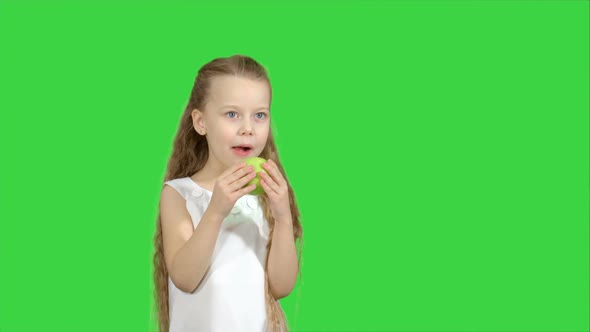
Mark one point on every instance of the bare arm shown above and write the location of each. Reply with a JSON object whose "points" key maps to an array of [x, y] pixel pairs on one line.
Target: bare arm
{"points": [[187, 251], [282, 262]]}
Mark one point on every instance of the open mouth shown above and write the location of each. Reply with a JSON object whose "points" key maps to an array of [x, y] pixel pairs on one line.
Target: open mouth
{"points": [[242, 148]]}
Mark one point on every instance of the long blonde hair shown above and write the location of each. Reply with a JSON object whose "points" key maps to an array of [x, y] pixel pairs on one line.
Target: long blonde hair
{"points": [[189, 154]]}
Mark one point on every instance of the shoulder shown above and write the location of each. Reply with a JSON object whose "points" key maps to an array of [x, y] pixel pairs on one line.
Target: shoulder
{"points": [[170, 191], [171, 198], [178, 186], [174, 195], [176, 222], [184, 193]]}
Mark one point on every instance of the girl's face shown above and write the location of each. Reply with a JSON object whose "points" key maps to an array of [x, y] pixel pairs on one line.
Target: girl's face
{"points": [[237, 114]]}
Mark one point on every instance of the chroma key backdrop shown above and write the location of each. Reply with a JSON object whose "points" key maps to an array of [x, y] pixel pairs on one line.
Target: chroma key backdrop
{"points": [[439, 152]]}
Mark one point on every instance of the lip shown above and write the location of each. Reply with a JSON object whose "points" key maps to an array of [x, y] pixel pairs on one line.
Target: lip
{"points": [[244, 145], [241, 152]]}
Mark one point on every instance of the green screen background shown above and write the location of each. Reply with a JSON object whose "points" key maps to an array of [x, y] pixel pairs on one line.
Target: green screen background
{"points": [[438, 151]]}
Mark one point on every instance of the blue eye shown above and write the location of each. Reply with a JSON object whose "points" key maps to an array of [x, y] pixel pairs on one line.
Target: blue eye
{"points": [[230, 113], [262, 117]]}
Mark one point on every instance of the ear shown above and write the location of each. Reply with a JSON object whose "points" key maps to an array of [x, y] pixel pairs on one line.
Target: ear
{"points": [[198, 122]]}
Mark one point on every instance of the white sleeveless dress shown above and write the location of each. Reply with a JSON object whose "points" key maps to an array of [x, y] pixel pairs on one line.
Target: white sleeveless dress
{"points": [[231, 295]]}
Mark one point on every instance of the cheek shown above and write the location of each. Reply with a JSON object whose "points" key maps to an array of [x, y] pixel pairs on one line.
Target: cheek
{"points": [[262, 133], [221, 136], [225, 132]]}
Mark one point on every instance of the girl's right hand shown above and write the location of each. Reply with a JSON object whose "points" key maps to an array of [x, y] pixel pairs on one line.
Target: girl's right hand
{"points": [[228, 188]]}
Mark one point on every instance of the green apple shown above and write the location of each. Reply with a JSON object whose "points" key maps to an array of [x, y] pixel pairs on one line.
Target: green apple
{"points": [[256, 162]]}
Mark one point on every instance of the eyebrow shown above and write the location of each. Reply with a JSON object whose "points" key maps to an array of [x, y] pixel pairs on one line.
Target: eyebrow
{"points": [[238, 107]]}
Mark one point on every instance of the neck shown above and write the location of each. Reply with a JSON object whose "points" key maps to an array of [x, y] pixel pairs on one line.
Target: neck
{"points": [[211, 171]]}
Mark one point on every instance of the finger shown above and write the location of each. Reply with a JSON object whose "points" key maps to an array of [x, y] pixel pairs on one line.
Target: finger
{"points": [[241, 182], [274, 172], [268, 183], [232, 169], [237, 175], [246, 190]]}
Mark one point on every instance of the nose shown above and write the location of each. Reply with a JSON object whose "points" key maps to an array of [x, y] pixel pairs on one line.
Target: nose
{"points": [[246, 129]]}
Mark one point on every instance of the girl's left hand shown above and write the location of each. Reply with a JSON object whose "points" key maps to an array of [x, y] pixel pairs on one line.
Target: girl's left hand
{"points": [[275, 187]]}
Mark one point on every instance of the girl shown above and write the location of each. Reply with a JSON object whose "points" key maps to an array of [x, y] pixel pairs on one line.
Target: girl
{"points": [[223, 257]]}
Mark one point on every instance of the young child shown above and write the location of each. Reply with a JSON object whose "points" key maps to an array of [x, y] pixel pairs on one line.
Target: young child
{"points": [[223, 257]]}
